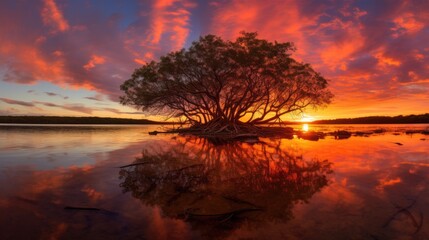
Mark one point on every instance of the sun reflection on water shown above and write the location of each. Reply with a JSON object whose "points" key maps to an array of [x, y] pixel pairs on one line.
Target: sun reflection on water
{"points": [[305, 127]]}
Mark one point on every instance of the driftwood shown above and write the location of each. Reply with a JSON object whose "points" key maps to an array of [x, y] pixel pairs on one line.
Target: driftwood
{"points": [[219, 216], [405, 210], [92, 209], [82, 208]]}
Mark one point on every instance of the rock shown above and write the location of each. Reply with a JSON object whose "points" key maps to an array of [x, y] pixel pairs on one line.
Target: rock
{"points": [[380, 130], [411, 131], [341, 134], [363, 134], [312, 136]]}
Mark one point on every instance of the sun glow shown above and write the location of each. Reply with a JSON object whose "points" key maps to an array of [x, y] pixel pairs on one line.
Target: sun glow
{"points": [[307, 118], [305, 127]]}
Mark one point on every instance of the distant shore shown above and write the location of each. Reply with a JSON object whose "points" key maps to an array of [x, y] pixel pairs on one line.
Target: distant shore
{"points": [[74, 120], [408, 119]]}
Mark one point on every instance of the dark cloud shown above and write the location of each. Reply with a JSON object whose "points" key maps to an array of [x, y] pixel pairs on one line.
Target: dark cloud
{"points": [[47, 104], [52, 94], [17, 102], [363, 65], [97, 97]]}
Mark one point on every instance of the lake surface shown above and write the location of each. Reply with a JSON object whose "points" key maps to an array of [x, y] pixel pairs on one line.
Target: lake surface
{"points": [[118, 182]]}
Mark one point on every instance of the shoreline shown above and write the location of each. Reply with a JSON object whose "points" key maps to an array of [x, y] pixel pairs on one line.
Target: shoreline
{"points": [[62, 120]]}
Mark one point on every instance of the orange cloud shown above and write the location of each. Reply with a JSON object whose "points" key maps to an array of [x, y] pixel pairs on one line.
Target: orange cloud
{"points": [[53, 16], [407, 23], [338, 55], [139, 61], [384, 61], [33, 61], [275, 20], [95, 60], [92, 194]]}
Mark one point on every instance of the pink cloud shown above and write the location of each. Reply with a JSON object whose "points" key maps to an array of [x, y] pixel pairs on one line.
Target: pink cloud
{"points": [[53, 16], [167, 28]]}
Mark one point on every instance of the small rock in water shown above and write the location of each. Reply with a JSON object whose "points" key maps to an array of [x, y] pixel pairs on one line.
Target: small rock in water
{"points": [[411, 131], [398, 143], [423, 139], [341, 134], [380, 130]]}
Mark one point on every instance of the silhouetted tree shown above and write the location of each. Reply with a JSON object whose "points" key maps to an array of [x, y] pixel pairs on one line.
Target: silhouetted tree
{"points": [[220, 85]]}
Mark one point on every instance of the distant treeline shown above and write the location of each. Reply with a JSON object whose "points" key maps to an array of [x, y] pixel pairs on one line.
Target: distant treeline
{"points": [[422, 118], [73, 120]]}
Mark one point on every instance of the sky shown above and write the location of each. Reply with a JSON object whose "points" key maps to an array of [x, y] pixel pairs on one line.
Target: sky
{"points": [[69, 57]]}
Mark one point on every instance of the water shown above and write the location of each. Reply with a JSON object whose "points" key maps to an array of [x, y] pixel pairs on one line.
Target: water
{"points": [[66, 182]]}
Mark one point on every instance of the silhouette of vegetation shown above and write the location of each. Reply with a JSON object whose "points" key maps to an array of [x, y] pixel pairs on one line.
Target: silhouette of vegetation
{"points": [[216, 188], [221, 86], [422, 118], [73, 120]]}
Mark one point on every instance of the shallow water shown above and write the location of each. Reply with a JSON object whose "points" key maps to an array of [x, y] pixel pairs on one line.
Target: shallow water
{"points": [[66, 182]]}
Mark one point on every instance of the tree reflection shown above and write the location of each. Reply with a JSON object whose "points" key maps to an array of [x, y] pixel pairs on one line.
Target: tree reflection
{"points": [[215, 188]]}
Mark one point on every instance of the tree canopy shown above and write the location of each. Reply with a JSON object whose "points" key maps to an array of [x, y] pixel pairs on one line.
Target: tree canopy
{"points": [[219, 84]]}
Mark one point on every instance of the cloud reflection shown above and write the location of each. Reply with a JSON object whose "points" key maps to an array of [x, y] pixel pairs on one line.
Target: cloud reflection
{"points": [[216, 187]]}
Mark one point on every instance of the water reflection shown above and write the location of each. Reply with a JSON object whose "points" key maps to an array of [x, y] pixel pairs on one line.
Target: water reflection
{"points": [[305, 127], [380, 189], [216, 188]]}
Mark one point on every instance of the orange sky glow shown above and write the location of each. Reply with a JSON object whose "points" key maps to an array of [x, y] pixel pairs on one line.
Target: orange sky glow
{"points": [[68, 58]]}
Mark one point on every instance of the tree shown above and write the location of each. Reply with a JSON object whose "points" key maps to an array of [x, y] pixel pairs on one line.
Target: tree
{"points": [[218, 85]]}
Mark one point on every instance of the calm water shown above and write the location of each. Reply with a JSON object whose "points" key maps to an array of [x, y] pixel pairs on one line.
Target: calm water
{"points": [[73, 182]]}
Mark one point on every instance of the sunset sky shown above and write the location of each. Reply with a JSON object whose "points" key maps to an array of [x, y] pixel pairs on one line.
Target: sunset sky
{"points": [[68, 58]]}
